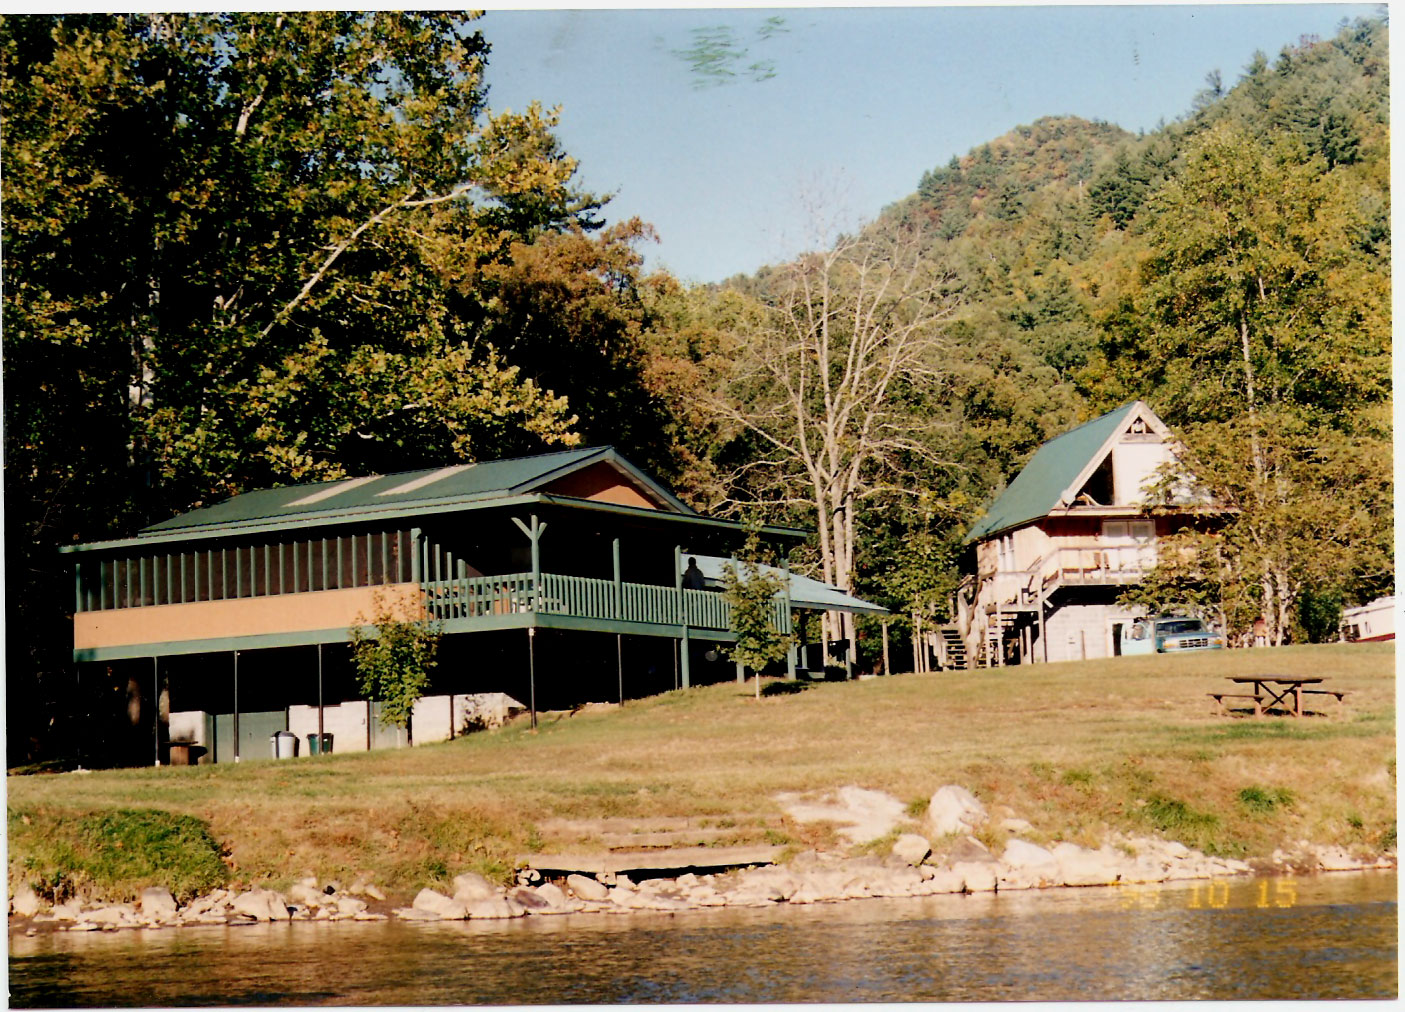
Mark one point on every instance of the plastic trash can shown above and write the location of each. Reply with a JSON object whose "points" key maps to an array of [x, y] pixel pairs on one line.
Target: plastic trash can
{"points": [[327, 743], [284, 744], [319, 744]]}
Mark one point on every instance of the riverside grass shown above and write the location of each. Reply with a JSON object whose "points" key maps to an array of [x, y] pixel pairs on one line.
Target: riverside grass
{"points": [[1079, 750]]}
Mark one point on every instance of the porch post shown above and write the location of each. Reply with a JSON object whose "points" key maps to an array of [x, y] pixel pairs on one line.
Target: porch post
{"points": [[999, 660], [1043, 640], [156, 706], [619, 616], [619, 602], [685, 665], [887, 669], [320, 739], [236, 706], [741, 668], [790, 625], [532, 669], [536, 571]]}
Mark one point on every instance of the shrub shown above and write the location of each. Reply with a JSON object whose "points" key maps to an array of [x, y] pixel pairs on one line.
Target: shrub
{"points": [[1264, 800], [115, 853], [1172, 816]]}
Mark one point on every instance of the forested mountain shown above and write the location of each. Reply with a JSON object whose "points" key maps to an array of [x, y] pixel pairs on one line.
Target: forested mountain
{"points": [[1232, 268]]}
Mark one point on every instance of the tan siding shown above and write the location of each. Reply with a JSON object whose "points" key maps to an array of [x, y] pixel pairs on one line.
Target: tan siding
{"points": [[284, 613], [602, 483]]}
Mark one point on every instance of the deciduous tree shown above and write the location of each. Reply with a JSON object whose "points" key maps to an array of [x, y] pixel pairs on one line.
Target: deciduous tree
{"points": [[826, 374]]}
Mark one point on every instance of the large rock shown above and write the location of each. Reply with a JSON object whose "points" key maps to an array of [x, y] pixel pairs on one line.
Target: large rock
{"points": [[528, 898], [69, 911], [261, 904], [1022, 854], [863, 815], [912, 848], [471, 886], [437, 903], [977, 877], [416, 914], [588, 888], [157, 903], [1080, 867], [556, 900], [902, 881], [306, 895], [26, 901], [954, 809], [495, 908], [968, 848], [117, 914], [820, 885], [770, 884], [943, 880], [350, 906]]}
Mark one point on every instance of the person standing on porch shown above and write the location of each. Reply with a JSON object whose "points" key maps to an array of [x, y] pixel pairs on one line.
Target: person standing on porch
{"points": [[693, 576]]}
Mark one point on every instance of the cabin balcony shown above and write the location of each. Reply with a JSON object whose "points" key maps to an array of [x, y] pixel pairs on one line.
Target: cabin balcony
{"points": [[1094, 565], [1099, 565]]}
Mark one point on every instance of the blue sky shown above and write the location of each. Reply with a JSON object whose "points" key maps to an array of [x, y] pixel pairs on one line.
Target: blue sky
{"points": [[859, 101]]}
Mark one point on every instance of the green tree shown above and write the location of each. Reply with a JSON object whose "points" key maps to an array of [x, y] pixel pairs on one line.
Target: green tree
{"points": [[244, 249], [572, 310], [394, 657], [751, 595], [1258, 318]]}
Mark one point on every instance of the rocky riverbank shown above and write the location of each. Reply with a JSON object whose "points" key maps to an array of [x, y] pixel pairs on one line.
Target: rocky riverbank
{"points": [[908, 868]]}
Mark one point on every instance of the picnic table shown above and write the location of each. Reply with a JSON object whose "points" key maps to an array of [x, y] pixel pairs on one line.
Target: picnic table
{"points": [[1284, 692]]}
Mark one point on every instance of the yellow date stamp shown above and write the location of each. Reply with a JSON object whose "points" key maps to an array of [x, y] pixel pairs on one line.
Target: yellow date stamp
{"points": [[1217, 894]]}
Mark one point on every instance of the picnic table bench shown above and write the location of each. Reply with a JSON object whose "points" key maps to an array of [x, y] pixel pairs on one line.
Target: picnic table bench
{"points": [[1220, 697]]}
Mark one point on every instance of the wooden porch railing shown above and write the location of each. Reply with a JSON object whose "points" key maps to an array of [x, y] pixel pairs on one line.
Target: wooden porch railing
{"points": [[583, 597], [1098, 565]]}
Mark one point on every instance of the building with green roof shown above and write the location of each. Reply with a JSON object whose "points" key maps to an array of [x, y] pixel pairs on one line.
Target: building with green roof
{"points": [[556, 579], [1061, 542]]}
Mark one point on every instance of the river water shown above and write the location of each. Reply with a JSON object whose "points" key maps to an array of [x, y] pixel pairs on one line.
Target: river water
{"points": [[1328, 936]]}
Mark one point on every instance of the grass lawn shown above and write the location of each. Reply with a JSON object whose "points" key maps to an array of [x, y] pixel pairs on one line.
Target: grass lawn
{"points": [[1079, 750]]}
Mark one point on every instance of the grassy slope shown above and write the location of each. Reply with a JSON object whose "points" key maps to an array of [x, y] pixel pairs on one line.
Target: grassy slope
{"points": [[1077, 749]]}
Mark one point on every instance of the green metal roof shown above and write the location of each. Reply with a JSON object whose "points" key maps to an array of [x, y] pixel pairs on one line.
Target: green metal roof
{"points": [[1040, 487], [396, 493], [804, 592], [415, 494]]}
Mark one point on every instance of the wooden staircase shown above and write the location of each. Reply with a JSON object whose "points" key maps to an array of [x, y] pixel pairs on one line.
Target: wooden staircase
{"points": [[951, 651]]}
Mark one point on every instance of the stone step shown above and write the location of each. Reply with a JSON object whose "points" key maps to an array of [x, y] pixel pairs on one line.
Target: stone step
{"points": [[595, 827], [675, 859], [681, 838]]}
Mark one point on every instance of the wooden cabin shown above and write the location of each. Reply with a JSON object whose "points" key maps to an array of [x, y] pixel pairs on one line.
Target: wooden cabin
{"points": [[555, 579], [1063, 541]]}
